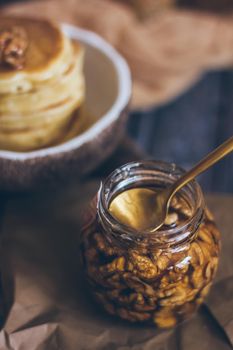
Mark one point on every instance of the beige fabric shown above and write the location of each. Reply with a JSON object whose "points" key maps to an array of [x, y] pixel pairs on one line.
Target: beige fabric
{"points": [[167, 51]]}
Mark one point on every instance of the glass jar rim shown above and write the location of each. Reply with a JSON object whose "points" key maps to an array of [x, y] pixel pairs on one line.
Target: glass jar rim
{"points": [[127, 174]]}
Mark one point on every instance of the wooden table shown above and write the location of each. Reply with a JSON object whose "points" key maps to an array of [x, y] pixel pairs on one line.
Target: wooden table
{"points": [[48, 305]]}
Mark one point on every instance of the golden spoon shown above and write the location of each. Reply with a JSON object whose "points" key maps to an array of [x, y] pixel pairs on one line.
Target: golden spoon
{"points": [[145, 209]]}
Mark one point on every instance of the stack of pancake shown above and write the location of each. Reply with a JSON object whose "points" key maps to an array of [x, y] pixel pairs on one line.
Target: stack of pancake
{"points": [[41, 96]]}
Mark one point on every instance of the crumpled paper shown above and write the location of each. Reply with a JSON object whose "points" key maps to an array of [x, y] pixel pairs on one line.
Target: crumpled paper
{"points": [[220, 303], [48, 304], [167, 52]]}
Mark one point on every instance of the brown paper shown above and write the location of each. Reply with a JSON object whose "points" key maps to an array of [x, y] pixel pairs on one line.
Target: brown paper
{"points": [[167, 52], [220, 303]]}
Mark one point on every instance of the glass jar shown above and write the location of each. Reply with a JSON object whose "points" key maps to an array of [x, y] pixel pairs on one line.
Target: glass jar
{"points": [[159, 277]]}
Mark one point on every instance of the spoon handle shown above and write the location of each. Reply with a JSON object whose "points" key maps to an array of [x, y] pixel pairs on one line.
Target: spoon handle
{"points": [[204, 164]]}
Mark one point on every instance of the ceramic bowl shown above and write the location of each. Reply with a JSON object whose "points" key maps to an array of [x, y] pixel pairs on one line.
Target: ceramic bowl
{"points": [[108, 91]]}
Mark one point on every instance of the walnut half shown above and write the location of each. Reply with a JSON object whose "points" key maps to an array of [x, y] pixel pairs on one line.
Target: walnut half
{"points": [[13, 46]]}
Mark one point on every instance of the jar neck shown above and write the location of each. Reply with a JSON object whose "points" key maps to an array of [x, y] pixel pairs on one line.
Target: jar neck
{"points": [[147, 174]]}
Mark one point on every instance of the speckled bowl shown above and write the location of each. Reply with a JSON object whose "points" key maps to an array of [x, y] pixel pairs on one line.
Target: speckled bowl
{"points": [[108, 85]]}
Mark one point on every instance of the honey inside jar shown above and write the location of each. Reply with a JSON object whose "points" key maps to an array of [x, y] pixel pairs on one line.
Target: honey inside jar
{"points": [[156, 277], [135, 208]]}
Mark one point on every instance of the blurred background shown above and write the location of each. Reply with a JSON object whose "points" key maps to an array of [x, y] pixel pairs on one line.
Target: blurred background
{"points": [[181, 57], [190, 126]]}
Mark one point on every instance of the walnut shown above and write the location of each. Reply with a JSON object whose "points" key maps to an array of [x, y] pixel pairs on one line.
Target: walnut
{"points": [[114, 281], [177, 297], [207, 250], [205, 235], [196, 254], [109, 307], [117, 264], [138, 285], [208, 271], [163, 261], [143, 308], [167, 292], [13, 46], [103, 245], [133, 316], [143, 266], [165, 318], [139, 299], [197, 277]]}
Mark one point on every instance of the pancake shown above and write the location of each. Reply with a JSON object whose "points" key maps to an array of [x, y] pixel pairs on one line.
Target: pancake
{"points": [[39, 98], [54, 90], [30, 137], [48, 115]]}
